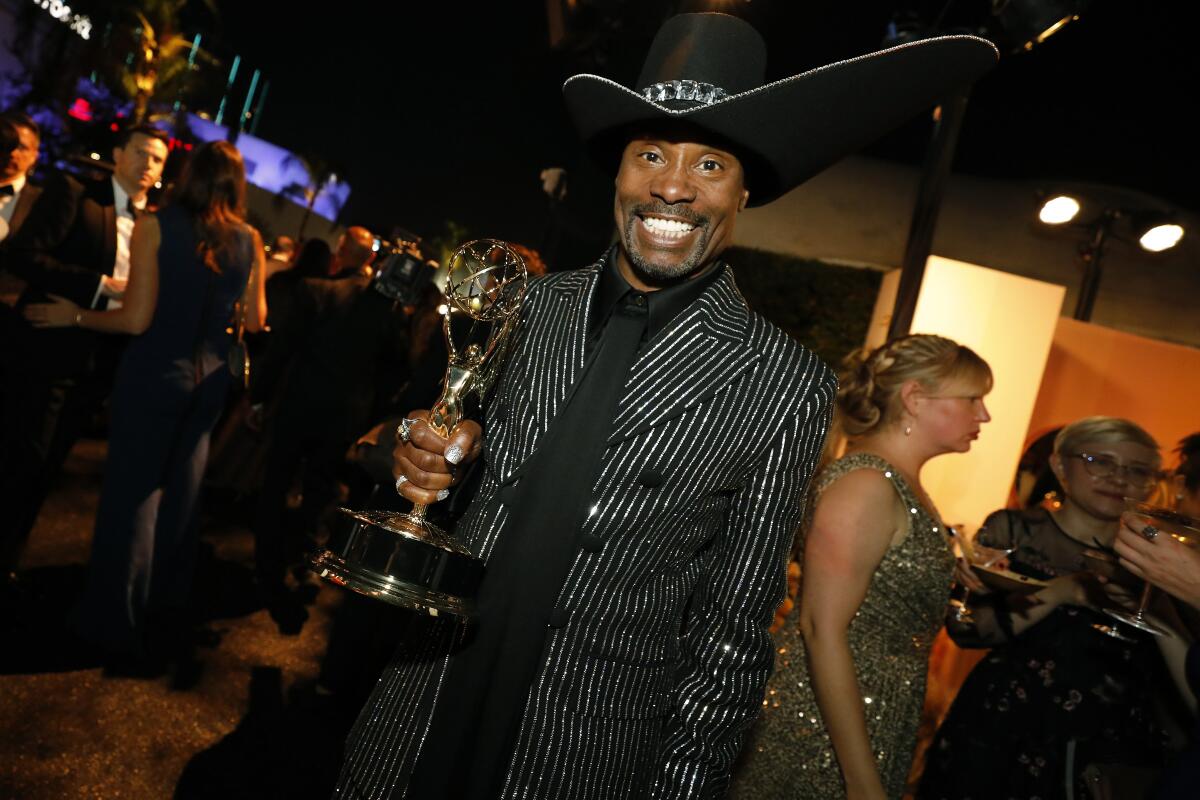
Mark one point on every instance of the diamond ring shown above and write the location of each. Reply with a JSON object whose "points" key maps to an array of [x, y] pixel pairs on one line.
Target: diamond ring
{"points": [[404, 429]]}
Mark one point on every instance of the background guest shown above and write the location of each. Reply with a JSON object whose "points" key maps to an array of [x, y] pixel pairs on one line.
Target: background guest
{"points": [[843, 706], [353, 254], [77, 246], [339, 353], [313, 260], [239, 447], [281, 255], [1175, 568], [189, 265], [20, 139], [1057, 706], [1185, 480]]}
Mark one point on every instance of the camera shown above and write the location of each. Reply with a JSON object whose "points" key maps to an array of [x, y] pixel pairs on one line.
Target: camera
{"points": [[400, 272]]}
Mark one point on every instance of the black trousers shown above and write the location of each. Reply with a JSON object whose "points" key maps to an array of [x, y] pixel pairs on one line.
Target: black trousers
{"points": [[44, 409], [291, 445], [41, 418]]}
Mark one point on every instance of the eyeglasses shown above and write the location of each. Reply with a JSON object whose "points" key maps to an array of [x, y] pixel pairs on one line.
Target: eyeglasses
{"points": [[1107, 466]]}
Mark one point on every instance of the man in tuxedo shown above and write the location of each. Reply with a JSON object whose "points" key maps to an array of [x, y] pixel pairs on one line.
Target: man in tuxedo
{"points": [[74, 244], [20, 139]]}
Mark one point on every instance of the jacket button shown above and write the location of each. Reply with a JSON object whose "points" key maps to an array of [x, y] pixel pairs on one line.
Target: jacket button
{"points": [[651, 479], [591, 543], [558, 618]]}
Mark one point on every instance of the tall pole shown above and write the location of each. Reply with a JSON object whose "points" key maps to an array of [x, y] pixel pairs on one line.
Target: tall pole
{"points": [[249, 101], [191, 65], [938, 159], [237, 60], [1090, 255], [262, 98]]}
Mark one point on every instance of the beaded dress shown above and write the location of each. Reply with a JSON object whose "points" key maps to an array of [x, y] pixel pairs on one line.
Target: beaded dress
{"points": [[789, 753]]}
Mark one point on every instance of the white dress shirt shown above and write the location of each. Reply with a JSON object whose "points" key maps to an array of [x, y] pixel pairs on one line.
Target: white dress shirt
{"points": [[125, 222], [8, 205]]}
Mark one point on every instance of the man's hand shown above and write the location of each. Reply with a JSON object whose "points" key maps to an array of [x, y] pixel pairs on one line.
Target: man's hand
{"points": [[112, 287], [427, 465], [58, 313]]}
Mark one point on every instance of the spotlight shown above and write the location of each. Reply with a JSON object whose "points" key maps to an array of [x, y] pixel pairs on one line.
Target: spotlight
{"points": [[1059, 210], [1161, 237], [1156, 230]]}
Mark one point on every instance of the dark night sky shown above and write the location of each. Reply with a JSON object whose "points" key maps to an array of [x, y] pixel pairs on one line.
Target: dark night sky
{"points": [[447, 111]]}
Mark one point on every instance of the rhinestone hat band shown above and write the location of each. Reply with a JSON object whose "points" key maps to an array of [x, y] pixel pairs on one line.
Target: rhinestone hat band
{"points": [[703, 93]]}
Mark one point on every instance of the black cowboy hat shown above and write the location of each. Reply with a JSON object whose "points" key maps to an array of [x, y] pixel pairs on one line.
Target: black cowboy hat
{"points": [[705, 73]]}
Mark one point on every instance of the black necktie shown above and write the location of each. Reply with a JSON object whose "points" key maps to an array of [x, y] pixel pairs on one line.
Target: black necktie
{"points": [[8, 190], [479, 712]]}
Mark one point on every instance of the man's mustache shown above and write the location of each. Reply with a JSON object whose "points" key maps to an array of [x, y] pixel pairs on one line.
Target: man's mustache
{"points": [[667, 210]]}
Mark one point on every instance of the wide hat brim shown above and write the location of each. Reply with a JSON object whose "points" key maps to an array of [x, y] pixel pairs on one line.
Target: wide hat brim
{"points": [[787, 131]]}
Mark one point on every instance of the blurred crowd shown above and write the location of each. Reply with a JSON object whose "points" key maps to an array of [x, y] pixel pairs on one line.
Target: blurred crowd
{"points": [[270, 375]]}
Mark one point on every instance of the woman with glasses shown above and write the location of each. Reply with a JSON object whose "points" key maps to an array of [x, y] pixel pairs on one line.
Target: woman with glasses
{"points": [[1059, 708]]}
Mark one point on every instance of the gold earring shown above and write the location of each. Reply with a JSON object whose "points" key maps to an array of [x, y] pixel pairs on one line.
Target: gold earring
{"points": [[908, 430]]}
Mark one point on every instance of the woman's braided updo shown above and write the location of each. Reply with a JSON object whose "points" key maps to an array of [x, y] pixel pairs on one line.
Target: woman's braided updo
{"points": [[869, 383]]}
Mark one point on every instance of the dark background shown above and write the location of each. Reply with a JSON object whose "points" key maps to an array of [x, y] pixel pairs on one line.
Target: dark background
{"points": [[448, 111]]}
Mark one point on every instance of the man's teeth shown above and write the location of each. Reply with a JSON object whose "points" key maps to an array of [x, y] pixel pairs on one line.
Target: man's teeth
{"points": [[659, 225]]}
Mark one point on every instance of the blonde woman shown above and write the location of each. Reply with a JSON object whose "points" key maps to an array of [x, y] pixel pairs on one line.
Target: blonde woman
{"points": [[841, 711], [1058, 708]]}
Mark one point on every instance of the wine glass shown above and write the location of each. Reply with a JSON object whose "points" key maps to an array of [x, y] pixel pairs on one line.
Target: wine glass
{"points": [[977, 555], [1169, 522], [1104, 563]]}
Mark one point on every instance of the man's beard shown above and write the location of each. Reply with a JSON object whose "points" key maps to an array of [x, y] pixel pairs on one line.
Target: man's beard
{"points": [[665, 272]]}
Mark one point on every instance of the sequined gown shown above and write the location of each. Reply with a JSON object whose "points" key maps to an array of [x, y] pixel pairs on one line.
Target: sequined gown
{"points": [[789, 753]]}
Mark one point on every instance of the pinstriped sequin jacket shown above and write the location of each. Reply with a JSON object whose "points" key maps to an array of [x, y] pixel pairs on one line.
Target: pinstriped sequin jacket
{"points": [[657, 662]]}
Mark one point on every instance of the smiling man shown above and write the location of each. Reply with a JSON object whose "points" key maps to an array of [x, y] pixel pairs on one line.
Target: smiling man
{"points": [[675, 206], [644, 455]]}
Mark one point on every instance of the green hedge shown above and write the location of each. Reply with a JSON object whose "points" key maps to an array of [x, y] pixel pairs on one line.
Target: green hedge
{"points": [[827, 307]]}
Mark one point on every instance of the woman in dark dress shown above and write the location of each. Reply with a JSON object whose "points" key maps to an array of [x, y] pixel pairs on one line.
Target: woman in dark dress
{"points": [[1058, 708], [189, 265]]}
